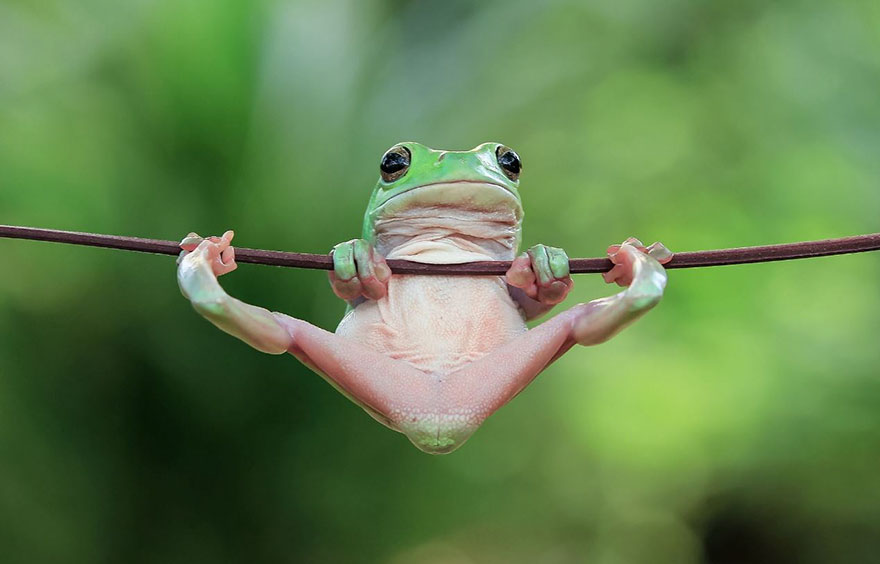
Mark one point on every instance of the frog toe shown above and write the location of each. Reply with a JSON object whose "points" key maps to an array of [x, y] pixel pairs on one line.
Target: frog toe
{"points": [[623, 258]]}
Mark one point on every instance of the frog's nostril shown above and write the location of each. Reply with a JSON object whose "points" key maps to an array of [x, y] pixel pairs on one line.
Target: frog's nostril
{"points": [[442, 155]]}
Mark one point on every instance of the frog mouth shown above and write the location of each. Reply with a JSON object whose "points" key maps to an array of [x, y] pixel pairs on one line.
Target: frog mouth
{"points": [[471, 195]]}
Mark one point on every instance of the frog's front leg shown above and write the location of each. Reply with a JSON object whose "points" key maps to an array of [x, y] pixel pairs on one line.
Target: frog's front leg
{"points": [[539, 279], [358, 271]]}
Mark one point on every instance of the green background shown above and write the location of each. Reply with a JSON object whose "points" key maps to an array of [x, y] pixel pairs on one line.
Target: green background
{"points": [[738, 422]]}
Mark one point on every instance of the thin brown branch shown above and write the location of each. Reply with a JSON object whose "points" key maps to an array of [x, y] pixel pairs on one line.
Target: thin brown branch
{"points": [[741, 255]]}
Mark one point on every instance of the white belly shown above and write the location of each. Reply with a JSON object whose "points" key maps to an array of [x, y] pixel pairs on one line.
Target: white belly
{"points": [[436, 323]]}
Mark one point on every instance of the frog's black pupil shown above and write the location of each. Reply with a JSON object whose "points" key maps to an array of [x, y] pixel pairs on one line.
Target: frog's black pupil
{"points": [[510, 161], [393, 162]]}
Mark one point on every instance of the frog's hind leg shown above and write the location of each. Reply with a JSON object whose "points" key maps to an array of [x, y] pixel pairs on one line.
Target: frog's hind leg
{"points": [[480, 388], [436, 412], [392, 391], [466, 397]]}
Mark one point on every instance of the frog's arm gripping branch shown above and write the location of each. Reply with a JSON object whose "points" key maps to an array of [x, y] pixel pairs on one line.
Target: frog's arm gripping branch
{"points": [[740, 255], [539, 279]]}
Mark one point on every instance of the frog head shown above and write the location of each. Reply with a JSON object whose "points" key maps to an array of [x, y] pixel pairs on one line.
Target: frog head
{"points": [[418, 183]]}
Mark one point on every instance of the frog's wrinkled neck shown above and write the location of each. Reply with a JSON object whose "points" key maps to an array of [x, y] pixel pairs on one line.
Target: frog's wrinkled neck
{"points": [[447, 235]]}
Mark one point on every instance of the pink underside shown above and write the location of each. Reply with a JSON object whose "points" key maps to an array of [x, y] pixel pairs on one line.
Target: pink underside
{"points": [[396, 385]]}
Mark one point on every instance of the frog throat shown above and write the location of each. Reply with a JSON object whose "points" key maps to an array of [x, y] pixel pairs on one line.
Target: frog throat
{"points": [[447, 236]]}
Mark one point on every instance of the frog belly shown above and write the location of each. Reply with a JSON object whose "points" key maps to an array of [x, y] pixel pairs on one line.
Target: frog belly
{"points": [[436, 323]]}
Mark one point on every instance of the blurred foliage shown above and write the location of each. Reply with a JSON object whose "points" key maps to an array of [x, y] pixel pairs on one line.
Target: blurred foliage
{"points": [[738, 422]]}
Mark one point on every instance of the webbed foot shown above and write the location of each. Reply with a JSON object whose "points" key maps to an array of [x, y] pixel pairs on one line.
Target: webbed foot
{"points": [[201, 261], [216, 251], [623, 258]]}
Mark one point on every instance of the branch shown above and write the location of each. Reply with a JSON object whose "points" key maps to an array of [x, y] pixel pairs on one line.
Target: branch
{"points": [[741, 255]]}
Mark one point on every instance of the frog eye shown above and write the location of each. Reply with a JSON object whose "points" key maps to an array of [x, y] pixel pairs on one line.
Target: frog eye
{"points": [[509, 161], [395, 163]]}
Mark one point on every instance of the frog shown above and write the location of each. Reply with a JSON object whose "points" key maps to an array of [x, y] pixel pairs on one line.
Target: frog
{"points": [[427, 355]]}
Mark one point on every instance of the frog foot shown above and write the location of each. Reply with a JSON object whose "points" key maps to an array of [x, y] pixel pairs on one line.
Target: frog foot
{"points": [[622, 257], [358, 270], [542, 273], [216, 251]]}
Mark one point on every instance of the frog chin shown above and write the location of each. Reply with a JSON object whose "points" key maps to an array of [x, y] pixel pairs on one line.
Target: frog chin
{"points": [[458, 194], [447, 235]]}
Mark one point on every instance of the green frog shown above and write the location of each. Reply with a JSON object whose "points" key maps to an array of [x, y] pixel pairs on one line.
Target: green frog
{"points": [[433, 356]]}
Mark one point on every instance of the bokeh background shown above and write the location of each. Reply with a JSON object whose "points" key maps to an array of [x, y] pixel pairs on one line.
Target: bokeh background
{"points": [[738, 422]]}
